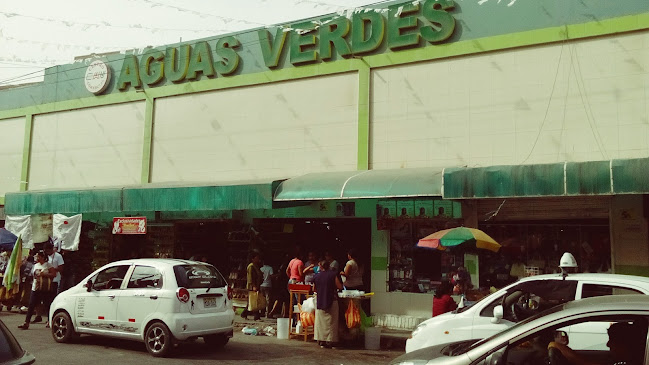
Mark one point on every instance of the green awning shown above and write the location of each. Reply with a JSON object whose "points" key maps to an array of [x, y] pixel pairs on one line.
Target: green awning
{"points": [[143, 198], [362, 184], [623, 176]]}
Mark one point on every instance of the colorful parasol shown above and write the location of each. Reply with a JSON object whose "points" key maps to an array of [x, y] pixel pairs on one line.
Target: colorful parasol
{"points": [[457, 236]]}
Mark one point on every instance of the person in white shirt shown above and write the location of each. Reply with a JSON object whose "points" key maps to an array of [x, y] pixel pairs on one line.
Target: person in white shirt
{"points": [[56, 260], [43, 274], [266, 285]]}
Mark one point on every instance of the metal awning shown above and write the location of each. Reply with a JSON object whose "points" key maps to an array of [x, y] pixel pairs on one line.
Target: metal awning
{"points": [[622, 176], [154, 197], [362, 184]]}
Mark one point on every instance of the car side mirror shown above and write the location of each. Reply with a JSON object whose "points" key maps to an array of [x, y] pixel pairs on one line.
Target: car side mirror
{"points": [[495, 358], [498, 314], [88, 285]]}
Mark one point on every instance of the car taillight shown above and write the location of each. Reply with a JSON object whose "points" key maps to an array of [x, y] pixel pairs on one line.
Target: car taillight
{"points": [[230, 294], [183, 295]]}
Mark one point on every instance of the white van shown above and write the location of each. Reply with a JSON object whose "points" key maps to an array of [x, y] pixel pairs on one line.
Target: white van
{"points": [[521, 300]]}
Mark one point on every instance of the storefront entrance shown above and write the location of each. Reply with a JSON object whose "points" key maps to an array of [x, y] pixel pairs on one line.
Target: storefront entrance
{"points": [[278, 238]]}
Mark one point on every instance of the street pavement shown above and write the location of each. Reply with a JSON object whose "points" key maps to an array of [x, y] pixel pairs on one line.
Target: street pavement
{"points": [[241, 349]]}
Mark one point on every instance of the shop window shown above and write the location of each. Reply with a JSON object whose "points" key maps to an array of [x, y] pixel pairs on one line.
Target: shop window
{"points": [[144, 277], [598, 290], [530, 248], [416, 269]]}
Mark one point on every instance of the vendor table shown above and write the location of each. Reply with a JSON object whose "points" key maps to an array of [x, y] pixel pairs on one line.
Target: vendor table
{"points": [[301, 292], [351, 334]]}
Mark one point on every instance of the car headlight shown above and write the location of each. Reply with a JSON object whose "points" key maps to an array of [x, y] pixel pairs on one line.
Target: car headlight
{"points": [[420, 327]]}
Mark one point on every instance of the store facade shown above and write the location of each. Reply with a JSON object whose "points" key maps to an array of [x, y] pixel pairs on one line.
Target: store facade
{"points": [[275, 128]]}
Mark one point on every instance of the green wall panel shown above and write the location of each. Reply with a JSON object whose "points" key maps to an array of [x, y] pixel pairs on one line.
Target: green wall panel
{"points": [[586, 178], [63, 202], [379, 263], [631, 176], [201, 198], [179, 199], [138, 199], [503, 181], [18, 203], [255, 196], [100, 200], [538, 180]]}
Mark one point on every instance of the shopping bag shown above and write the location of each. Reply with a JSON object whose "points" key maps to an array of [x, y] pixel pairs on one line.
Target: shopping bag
{"points": [[307, 318], [366, 321], [352, 315], [253, 301], [261, 301], [309, 305], [43, 283]]}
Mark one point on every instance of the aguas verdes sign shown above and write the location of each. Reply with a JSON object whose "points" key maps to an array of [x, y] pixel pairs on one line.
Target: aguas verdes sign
{"points": [[365, 31]]}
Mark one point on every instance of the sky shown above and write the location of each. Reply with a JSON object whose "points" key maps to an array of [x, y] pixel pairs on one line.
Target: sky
{"points": [[36, 34]]}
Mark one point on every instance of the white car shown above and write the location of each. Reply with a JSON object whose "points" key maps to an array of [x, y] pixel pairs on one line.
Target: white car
{"points": [[527, 342], [522, 299], [157, 301]]}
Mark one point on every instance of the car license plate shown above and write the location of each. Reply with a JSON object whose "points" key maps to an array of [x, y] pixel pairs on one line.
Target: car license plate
{"points": [[209, 302]]}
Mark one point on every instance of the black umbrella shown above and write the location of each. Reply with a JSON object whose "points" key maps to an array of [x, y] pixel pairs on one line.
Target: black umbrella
{"points": [[7, 239]]}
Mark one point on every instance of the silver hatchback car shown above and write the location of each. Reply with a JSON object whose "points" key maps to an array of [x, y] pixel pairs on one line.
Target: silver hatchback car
{"points": [[543, 339]]}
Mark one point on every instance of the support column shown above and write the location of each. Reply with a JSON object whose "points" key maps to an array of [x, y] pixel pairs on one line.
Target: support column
{"points": [[363, 159], [147, 141], [27, 153]]}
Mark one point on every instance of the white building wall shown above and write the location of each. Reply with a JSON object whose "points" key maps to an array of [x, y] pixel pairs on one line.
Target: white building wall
{"points": [[573, 101], [94, 147], [271, 131], [12, 137]]}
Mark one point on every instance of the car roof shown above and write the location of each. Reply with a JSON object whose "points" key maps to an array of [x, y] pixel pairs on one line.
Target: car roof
{"points": [[591, 276], [608, 303], [156, 262]]}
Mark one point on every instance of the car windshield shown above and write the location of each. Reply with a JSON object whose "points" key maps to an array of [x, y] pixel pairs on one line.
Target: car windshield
{"points": [[469, 346], [198, 276]]}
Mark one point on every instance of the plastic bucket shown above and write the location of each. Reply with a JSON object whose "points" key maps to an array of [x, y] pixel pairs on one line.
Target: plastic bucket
{"points": [[373, 338], [282, 328]]}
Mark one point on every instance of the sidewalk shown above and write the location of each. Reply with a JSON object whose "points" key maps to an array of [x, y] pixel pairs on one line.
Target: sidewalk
{"points": [[391, 340]]}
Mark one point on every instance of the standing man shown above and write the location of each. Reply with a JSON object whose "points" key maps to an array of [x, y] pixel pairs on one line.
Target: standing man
{"points": [[327, 284], [253, 284], [267, 285], [56, 261]]}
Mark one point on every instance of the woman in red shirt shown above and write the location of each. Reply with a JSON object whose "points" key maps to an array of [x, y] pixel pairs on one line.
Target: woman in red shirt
{"points": [[442, 301]]}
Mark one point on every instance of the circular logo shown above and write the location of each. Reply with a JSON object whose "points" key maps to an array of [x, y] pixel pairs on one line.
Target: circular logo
{"points": [[97, 77]]}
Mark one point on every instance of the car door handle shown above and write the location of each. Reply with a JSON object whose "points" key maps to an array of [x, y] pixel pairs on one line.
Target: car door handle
{"points": [[112, 296], [154, 297]]}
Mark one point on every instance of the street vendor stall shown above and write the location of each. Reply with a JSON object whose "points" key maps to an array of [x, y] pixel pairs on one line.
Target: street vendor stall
{"points": [[299, 292]]}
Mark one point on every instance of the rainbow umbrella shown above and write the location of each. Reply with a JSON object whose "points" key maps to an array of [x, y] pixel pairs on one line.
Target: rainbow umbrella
{"points": [[458, 236]]}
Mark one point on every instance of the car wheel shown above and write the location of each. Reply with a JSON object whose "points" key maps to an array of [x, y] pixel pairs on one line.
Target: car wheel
{"points": [[62, 328], [216, 341], [158, 340]]}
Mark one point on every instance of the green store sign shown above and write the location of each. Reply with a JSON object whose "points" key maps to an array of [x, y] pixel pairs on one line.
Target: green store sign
{"points": [[399, 26]]}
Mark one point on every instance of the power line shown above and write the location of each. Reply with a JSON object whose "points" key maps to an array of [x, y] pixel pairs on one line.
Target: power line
{"points": [[201, 13], [70, 23], [207, 39]]}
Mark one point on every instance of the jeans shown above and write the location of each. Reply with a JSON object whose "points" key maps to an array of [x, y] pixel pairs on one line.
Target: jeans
{"points": [[36, 298], [265, 291]]}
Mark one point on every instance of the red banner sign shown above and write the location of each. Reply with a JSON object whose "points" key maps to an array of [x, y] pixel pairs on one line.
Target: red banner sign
{"points": [[129, 225]]}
